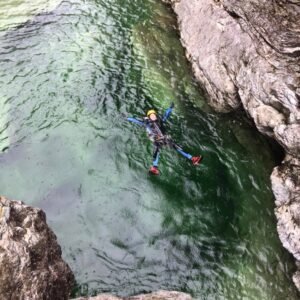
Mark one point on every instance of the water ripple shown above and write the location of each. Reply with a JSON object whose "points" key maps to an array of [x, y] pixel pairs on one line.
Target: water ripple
{"points": [[69, 75]]}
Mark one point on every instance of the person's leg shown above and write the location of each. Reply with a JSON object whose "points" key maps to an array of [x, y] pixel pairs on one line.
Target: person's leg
{"points": [[154, 168], [156, 157], [179, 150], [195, 159]]}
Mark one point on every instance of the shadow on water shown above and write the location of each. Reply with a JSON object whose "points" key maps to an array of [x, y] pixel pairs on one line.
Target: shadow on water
{"points": [[68, 77]]}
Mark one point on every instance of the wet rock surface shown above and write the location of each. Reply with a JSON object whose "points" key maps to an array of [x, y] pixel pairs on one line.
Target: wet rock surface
{"points": [[286, 186], [31, 266], [159, 295], [247, 54]]}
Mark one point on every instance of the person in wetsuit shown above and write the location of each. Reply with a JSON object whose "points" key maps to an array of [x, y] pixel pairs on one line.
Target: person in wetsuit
{"points": [[154, 125]]}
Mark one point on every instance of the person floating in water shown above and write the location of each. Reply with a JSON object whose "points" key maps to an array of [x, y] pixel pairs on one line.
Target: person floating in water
{"points": [[154, 125]]}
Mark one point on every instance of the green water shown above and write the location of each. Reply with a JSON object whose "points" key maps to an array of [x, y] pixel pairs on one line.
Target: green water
{"points": [[67, 77]]}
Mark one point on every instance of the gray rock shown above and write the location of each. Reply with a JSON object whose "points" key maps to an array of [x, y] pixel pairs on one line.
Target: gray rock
{"points": [[243, 56], [285, 182], [99, 297], [246, 53], [159, 295], [289, 137], [31, 266], [296, 279], [286, 186]]}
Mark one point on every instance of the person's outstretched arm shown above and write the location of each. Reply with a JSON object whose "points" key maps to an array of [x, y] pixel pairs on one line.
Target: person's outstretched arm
{"points": [[168, 112], [136, 121]]}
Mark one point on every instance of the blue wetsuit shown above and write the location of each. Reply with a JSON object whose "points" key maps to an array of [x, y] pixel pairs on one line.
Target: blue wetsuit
{"points": [[158, 136]]}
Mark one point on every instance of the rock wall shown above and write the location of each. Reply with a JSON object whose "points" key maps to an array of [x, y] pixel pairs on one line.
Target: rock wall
{"points": [[159, 295], [31, 266], [246, 53], [286, 187]]}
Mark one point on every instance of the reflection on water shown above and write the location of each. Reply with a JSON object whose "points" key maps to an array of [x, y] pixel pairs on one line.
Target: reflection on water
{"points": [[15, 12], [67, 78]]}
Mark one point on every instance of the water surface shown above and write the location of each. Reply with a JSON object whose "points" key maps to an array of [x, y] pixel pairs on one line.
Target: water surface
{"points": [[68, 77]]}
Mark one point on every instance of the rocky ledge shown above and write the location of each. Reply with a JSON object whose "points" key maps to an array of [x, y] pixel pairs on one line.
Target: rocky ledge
{"points": [[246, 53], [159, 295], [31, 266]]}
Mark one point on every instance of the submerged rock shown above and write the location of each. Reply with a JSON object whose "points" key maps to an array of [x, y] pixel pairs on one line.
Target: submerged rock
{"points": [[31, 266], [159, 295], [247, 53]]}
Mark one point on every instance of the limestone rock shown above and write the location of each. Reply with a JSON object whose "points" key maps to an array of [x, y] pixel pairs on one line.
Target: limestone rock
{"points": [[285, 182], [247, 53], [296, 279], [159, 295], [162, 295], [286, 186], [31, 266], [99, 297], [289, 137]]}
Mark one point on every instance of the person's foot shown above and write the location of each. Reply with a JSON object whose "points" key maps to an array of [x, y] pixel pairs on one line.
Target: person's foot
{"points": [[196, 160], [154, 170]]}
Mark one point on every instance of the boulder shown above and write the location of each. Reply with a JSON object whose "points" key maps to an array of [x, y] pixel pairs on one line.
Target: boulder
{"points": [[286, 186], [31, 266]]}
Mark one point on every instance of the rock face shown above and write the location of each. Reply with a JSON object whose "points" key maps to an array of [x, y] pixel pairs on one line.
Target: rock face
{"points": [[159, 295], [246, 53], [31, 266], [286, 186]]}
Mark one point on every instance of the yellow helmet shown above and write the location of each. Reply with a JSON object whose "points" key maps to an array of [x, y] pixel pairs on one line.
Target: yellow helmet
{"points": [[151, 111]]}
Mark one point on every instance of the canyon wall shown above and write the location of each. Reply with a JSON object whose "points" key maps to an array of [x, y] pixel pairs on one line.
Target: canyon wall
{"points": [[246, 54]]}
